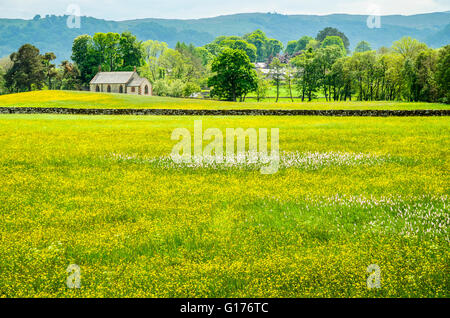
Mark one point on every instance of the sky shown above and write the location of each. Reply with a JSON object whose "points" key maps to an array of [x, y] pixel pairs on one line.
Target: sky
{"points": [[192, 9]]}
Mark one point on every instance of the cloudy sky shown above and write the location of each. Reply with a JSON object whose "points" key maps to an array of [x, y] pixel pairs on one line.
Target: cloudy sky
{"points": [[186, 9]]}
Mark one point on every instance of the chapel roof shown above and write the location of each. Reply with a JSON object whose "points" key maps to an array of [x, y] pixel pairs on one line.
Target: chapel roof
{"points": [[112, 78]]}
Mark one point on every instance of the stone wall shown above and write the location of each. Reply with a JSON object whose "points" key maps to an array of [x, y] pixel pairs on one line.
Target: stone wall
{"points": [[212, 112]]}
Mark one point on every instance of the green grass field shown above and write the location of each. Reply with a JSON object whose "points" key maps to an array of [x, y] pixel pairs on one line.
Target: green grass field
{"points": [[86, 190], [70, 99]]}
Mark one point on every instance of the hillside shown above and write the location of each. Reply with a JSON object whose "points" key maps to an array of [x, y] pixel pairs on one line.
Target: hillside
{"points": [[51, 33]]}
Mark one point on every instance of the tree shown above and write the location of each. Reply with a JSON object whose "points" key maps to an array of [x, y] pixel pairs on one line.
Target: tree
{"points": [[2, 81], [298, 46], [341, 79], [259, 39], [27, 71], [326, 57], [334, 41], [392, 81], [50, 70], [426, 69], [262, 87], [302, 43], [288, 75], [108, 44], [86, 57], [131, 52], [70, 77], [190, 88], [173, 64], [409, 78], [176, 88], [273, 48], [214, 48], [205, 56], [276, 70], [186, 63], [333, 32], [384, 50], [408, 47], [240, 44], [363, 46], [161, 88], [234, 75], [152, 50], [290, 48], [365, 71], [443, 73], [308, 73], [313, 45], [194, 60]]}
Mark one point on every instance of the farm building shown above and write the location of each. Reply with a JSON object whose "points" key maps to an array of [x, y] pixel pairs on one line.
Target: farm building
{"points": [[120, 82]]}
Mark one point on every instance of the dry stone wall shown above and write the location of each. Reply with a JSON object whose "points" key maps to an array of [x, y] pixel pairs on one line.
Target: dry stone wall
{"points": [[213, 112]]}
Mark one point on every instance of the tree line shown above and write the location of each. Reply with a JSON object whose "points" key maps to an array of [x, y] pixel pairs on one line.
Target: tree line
{"points": [[408, 71], [27, 70], [308, 68]]}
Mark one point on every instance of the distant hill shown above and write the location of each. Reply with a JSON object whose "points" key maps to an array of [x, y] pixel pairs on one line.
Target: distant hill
{"points": [[52, 34]]}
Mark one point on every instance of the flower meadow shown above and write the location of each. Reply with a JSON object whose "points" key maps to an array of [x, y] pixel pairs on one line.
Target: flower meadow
{"points": [[74, 99], [255, 160], [103, 193]]}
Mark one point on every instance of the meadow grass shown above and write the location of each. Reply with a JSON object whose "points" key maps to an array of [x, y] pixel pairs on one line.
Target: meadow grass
{"points": [[72, 99], [83, 190]]}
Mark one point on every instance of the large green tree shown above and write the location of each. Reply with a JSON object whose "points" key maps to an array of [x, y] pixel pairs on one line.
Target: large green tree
{"points": [[111, 51], [234, 75], [86, 57], [28, 70], [243, 45], [109, 45], [131, 52]]}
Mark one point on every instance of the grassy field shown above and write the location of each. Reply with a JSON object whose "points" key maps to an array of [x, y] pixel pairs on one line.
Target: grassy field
{"points": [[102, 100], [96, 192]]}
